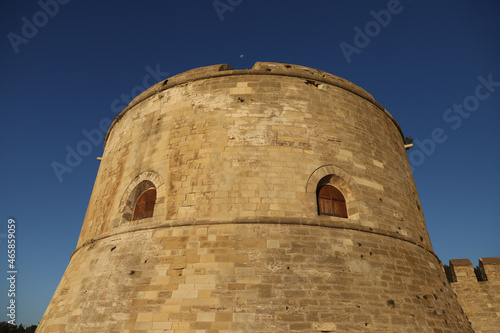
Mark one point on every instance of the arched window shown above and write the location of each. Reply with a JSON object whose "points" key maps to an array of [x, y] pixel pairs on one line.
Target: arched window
{"points": [[145, 204], [331, 201]]}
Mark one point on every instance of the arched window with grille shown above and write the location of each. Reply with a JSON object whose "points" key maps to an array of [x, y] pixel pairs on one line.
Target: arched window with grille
{"points": [[145, 204], [331, 201]]}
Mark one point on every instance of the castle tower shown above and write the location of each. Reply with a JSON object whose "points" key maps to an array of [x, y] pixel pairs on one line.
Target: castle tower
{"points": [[274, 199]]}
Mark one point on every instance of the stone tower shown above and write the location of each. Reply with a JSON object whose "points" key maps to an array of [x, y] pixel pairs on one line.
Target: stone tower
{"points": [[274, 199]]}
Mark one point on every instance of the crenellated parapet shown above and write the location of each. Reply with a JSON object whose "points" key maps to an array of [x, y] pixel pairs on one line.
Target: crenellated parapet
{"points": [[478, 291], [463, 271]]}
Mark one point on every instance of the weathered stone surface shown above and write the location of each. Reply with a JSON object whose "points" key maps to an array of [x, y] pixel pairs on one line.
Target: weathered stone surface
{"points": [[235, 243], [479, 296]]}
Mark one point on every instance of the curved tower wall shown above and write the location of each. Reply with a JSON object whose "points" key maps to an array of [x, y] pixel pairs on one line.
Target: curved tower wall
{"points": [[235, 242]]}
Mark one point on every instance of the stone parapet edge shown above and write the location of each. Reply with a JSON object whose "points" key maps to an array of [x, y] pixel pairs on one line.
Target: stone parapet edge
{"points": [[259, 68]]}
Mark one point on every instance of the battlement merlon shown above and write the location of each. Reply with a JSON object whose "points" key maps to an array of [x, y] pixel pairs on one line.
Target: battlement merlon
{"points": [[463, 271]]}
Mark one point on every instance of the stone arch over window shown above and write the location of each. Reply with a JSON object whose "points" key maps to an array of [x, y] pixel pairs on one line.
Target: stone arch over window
{"points": [[143, 198], [338, 186]]}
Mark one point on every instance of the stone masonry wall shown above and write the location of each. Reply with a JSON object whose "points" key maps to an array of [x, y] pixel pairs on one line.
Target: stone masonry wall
{"points": [[253, 278], [247, 145], [235, 243], [480, 300]]}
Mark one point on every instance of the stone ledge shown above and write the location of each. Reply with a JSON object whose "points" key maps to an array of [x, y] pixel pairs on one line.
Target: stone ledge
{"points": [[321, 221]]}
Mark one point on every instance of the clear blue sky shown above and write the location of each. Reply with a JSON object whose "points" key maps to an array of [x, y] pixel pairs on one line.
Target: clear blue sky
{"points": [[72, 67]]}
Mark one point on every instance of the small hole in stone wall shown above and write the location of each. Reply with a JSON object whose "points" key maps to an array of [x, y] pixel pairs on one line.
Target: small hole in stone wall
{"points": [[132, 272], [313, 83], [114, 247], [164, 83], [145, 261], [268, 69], [288, 66], [391, 303], [421, 238]]}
